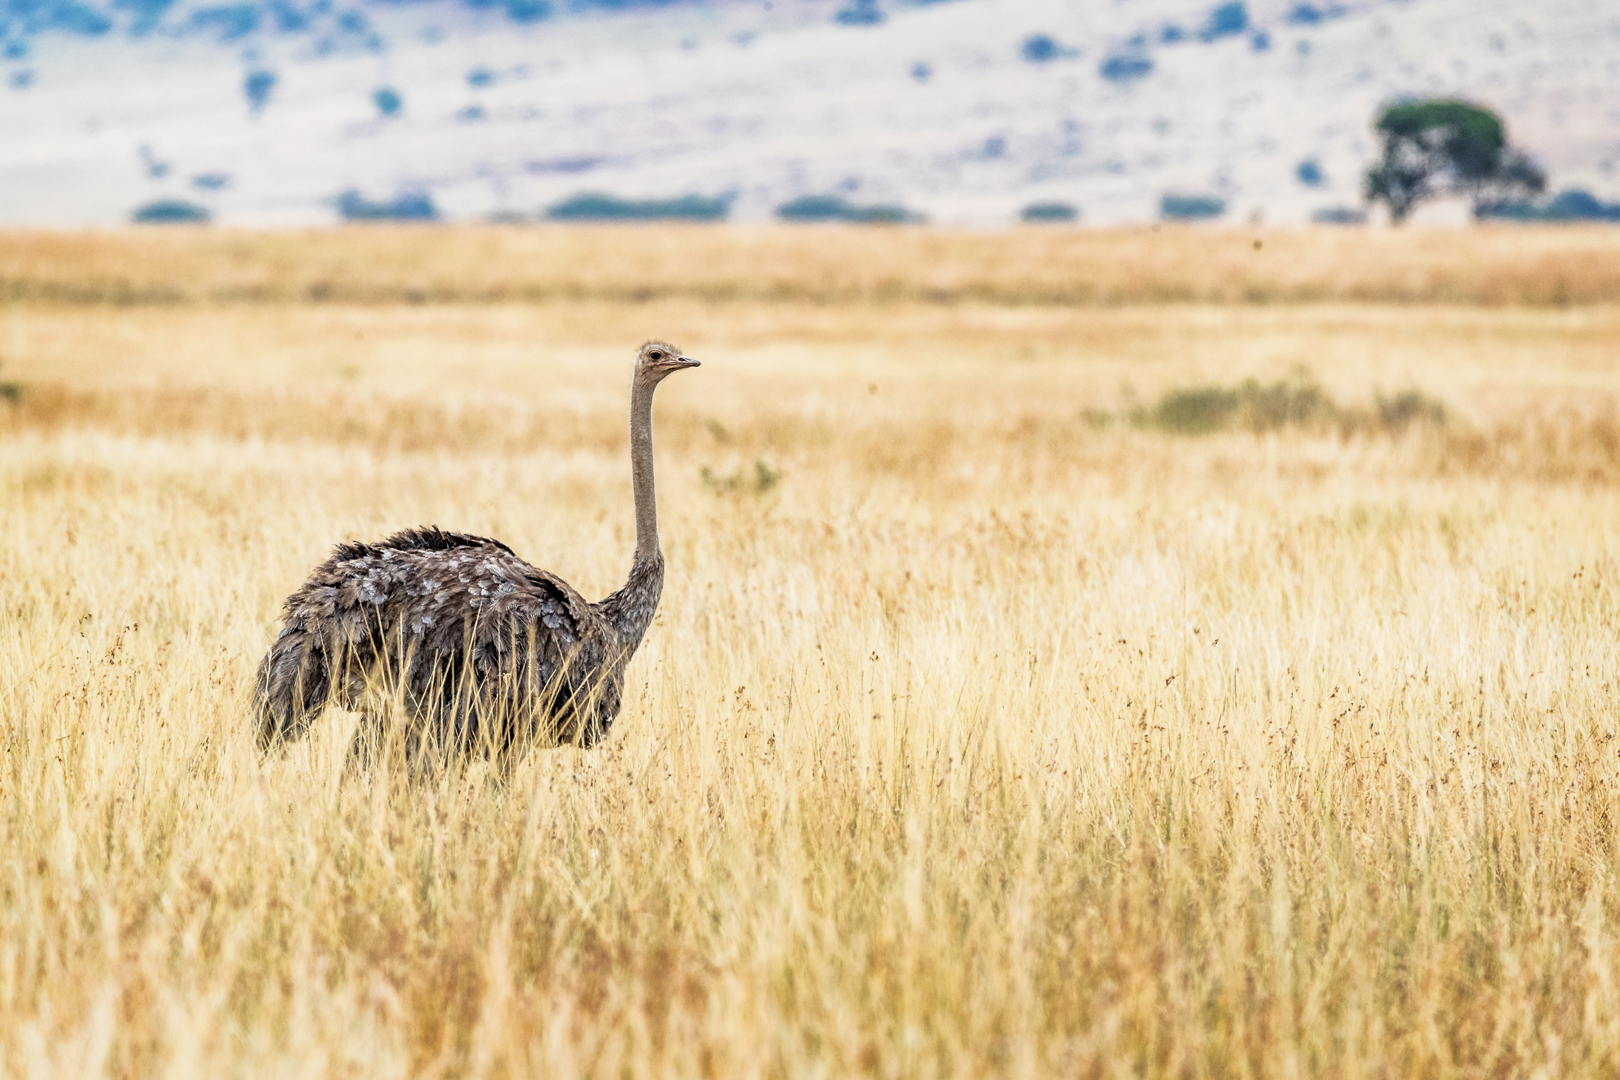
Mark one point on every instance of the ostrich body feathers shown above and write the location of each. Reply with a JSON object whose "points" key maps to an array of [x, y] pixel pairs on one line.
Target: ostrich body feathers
{"points": [[481, 647]]}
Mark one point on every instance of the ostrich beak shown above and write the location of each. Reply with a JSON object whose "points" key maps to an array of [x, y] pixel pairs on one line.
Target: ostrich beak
{"points": [[678, 362]]}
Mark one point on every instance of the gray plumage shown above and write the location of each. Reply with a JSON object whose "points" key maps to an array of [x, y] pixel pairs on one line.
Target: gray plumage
{"points": [[483, 650]]}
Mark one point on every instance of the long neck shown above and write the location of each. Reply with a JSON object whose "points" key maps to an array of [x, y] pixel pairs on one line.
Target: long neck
{"points": [[641, 471], [630, 610]]}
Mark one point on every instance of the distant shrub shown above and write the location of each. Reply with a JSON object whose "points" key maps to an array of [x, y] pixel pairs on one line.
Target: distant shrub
{"points": [[230, 21], [289, 20], [148, 14], [1396, 414], [471, 114], [528, 11], [406, 206], [1225, 21], [213, 181], [1260, 41], [1170, 34], [1201, 410], [808, 208], [257, 86], [859, 13], [758, 481], [922, 72], [387, 100], [1039, 48], [155, 167], [480, 77], [68, 16], [1191, 207], [171, 212], [563, 165], [1044, 48], [22, 80], [1311, 15], [10, 391], [1339, 215], [1193, 412], [590, 206], [1573, 205], [1124, 67], [1048, 212], [15, 49], [1309, 173], [1297, 401]]}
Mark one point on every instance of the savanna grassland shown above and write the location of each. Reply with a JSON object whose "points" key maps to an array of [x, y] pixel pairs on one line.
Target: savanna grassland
{"points": [[993, 723]]}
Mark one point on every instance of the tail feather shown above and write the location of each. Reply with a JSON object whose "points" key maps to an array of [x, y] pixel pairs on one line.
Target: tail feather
{"points": [[294, 683]]}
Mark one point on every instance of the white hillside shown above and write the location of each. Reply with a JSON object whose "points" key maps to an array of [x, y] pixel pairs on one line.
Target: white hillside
{"points": [[936, 107]]}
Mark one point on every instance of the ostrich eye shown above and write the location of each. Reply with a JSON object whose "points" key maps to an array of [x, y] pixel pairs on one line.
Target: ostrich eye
{"points": [[655, 355]]}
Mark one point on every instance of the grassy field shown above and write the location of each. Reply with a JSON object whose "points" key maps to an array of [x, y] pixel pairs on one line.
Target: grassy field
{"points": [[989, 726]]}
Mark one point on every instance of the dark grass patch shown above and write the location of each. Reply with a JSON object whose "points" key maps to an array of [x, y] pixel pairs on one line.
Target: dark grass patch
{"points": [[1295, 402], [759, 480]]}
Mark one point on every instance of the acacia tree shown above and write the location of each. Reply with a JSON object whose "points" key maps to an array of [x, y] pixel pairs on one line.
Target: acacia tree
{"points": [[1434, 148]]}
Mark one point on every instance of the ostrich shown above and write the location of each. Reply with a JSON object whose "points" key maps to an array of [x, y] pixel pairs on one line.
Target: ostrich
{"points": [[483, 649]]}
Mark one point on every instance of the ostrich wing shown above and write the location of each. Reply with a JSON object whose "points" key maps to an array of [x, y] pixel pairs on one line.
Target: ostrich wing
{"points": [[450, 606]]}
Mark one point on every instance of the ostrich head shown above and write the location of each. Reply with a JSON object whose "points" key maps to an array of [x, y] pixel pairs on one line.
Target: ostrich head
{"points": [[657, 359]]}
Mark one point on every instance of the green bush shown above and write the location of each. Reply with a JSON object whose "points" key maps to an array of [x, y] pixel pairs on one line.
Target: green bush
{"points": [[1295, 402], [590, 206], [758, 481], [837, 208], [1048, 212], [1573, 205], [1259, 408], [1409, 407], [406, 206], [171, 212], [1191, 207]]}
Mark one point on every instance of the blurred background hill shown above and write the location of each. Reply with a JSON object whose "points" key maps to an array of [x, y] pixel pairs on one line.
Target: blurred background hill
{"points": [[961, 112]]}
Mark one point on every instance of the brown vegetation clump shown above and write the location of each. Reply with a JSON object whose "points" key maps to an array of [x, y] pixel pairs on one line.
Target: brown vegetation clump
{"points": [[975, 735]]}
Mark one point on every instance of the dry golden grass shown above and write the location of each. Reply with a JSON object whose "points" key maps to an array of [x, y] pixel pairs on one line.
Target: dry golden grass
{"points": [[1547, 265], [985, 741]]}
